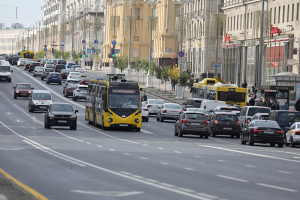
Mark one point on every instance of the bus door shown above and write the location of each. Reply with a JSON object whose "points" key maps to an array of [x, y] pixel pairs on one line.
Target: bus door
{"points": [[102, 103], [205, 92]]}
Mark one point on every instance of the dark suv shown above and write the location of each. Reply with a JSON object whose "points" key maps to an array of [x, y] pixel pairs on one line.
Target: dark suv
{"points": [[33, 65], [61, 114], [285, 118], [192, 103], [15, 60]]}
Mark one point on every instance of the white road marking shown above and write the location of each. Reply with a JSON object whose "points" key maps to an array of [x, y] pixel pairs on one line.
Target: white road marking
{"points": [[145, 145], [99, 146], [88, 142], [126, 173], [127, 154], [136, 176], [143, 158], [248, 153], [231, 178], [112, 150], [189, 169], [163, 163], [151, 180], [221, 160], [284, 172], [276, 187], [249, 166], [177, 151], [164, 124], [186, 190], [207, 195], [197, 156], [109, 193], [11, 149], [160, 148], [166, 184]]}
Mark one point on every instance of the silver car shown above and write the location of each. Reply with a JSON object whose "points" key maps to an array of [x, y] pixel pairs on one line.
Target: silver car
{"points": [[168, 111], [38, 71], [49, 64], [46, 72], [153, 105]]}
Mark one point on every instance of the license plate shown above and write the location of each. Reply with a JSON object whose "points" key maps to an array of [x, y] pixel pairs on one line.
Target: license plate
{"points": [[54, 78], [195, 124], [42, 107], [123, 124], [23, 94], [60, 121], [227, 128], [268, 132], [3, 78]]}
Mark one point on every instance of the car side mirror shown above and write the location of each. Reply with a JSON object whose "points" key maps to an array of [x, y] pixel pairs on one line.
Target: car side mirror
{"points": [[14, 87], [32, 88], [76, 111], [145, 97], [12, 71]]}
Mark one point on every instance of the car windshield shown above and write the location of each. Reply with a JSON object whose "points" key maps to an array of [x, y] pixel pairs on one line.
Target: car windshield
{"points": [[195, 116], [197, 104], [197, 110], [272, 124], [123, 98], [86, 79], [61, 108], [4, 68], [287, 116], [156, 102], [23, 59], [66, 71], [41, 96], [227, 117], [71, 63], [54, 75], [23, 86], [1, 58], [173, 106], [49, 70], [227, 109], [80, 69], [253, 111]]}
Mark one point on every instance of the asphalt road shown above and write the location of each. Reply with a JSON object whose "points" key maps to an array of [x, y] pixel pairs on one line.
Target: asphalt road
{"points": [[90, 163]]}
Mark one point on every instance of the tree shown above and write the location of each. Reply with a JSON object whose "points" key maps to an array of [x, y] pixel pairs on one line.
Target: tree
{"points": [[165, 75], [57, 54], [183, 80], [138, 66], [66, 55], [145, 67], [174, 73], [158, 74]]}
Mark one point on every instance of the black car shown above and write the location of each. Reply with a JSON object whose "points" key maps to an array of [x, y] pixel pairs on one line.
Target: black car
{"points": [[61, 114], [59, 67], [69, 91], [263, 131], [65, 73], [15, 60], [10, 59], [33, 65], [284, 118]]}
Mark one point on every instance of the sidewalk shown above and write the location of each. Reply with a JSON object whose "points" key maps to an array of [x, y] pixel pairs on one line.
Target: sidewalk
{"points": [[157, 90]]}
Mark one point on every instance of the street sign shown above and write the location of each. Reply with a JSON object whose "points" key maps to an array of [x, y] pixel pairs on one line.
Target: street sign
{"points": [[291, 61], [114, 36], [180, 61], [216, 66], [53, 41], [170, 50], [95, 50], [83, 41], [54, 45], [62, 43], [95, 41], [181, 54], [89, 50], [45, 46], [45, 49], [114, 42], [117, 51]]}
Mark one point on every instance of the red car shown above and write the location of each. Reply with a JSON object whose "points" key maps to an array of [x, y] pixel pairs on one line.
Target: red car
{"points": [[84, 81], [22, 90]]}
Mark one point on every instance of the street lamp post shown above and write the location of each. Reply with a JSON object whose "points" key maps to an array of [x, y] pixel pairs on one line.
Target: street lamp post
{"points": [[95, 63], [33, 38], [179, 93], [84, 37], [39, 23], [149, 78], [28, 38], [12, 49], [112, 67]]}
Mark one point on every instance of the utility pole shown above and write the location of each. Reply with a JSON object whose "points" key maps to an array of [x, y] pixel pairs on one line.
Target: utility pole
{"points": [[129, 52], [33, 38], [83, 46], [217, 41], [28, 39], [112, 67]]}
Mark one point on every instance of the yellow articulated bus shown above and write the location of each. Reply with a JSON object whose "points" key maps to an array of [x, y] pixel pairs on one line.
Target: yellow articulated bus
{"points": [[27, 54], [112, 104], [211, 89]]}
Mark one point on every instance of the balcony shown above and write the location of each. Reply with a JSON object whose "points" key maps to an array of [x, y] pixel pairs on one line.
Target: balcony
{"points": [[199, 14], [233, 2]]}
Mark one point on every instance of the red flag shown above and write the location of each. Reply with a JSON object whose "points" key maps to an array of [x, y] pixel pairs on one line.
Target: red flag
{"points": [[275, 64], [173, 56]]}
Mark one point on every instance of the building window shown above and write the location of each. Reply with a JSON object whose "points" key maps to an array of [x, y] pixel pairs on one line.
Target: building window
{"points": [[274, 16], [288, 13], [283, 12], [135, 53], [271, 15], [247, 20], [297, 14], [237, 22], [251, 21], [136, 35], [278, 14], [234, 23], [231, 24], [293, 7], [241, 22], [137, 13], [228, 24]]}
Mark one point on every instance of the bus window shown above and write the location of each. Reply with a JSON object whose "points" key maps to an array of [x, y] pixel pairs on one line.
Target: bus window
{"points": [[231, 96], [211, 95]]}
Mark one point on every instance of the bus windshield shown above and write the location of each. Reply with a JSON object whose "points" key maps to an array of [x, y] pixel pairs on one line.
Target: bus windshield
{"points": [[231, 96], [123, 98]]}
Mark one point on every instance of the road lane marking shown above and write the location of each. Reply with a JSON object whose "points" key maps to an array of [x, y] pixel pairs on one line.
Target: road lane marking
{"points": [[160, 148], [151, 180], [163, 163], [22, 185], [145, 145], [143, 158], [221, 160], [127, 154], [143, 181], [284, 172], [207, 195], [177, 151], [197, 156], [186, 190], [248, 153], [231, 178], [276, 187], [166, 184], [109, 193], [112, 150], [189, 169], [249, 166], [88, 142], [99, 146]]}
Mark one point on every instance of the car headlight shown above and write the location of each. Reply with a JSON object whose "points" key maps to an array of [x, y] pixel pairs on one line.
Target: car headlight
{"points": [[34, 102], [17, 91], [29, 91], [51, 115], [73, 116], [9, 76]]}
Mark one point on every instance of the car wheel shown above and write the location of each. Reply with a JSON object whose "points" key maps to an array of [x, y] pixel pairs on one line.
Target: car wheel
{"points": [[47, 82], [292, 143], [48, 126], [206, 135], [175, 132], [250, 140], [238, 136], [138, 129], [280, 145], [30, 109], [232, 136], [243, 142], [272, 144], [33, 75], [161, 119], [42, 78], [147, 119], [157, 119], [180, 133], [74, 127], [59, 83], [15, 96], [65, 95], [75, 99]]}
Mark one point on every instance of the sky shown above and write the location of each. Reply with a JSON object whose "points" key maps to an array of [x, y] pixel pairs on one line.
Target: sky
{"points": [[28, 12]]}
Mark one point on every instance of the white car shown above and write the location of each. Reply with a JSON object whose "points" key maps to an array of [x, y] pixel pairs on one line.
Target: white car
{"points": [[145, 112], [21, 61], [38, 71], [74, 75], [293, 135], [81, 71], [40, 100], [153, 105], [80, 92]]}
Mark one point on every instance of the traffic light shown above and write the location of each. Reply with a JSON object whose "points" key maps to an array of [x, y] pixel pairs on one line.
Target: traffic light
{"points": [[112, 53], [53, 51], [83, 54]]}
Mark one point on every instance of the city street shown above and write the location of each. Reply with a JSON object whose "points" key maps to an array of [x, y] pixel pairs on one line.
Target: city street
{"points": [[91, 163]]}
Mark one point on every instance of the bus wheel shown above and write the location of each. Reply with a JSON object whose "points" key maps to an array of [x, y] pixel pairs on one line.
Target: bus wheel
{"points": [[138, 129]]}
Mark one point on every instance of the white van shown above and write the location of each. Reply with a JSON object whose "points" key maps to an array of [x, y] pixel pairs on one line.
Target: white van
{"points": [[209, 105], [40, 100], [5, 73]]}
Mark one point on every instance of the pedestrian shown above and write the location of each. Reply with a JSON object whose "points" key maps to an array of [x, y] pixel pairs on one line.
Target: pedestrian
{"points": [[275, 106], [251, 102], [230, 82], [285, 106], [260, 103], [173, 84], [88, 63], [297, 105]]}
